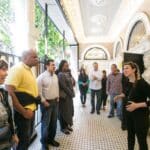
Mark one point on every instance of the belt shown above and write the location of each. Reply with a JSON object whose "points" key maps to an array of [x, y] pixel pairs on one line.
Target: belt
{"points": [[51, 100]]}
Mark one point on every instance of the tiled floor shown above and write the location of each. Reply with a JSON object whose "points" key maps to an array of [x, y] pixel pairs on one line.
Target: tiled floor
{"points": [[91, 132]]}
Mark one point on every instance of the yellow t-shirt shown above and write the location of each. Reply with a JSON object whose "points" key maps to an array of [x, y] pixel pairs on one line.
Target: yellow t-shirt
{"points": [[21, 77]]}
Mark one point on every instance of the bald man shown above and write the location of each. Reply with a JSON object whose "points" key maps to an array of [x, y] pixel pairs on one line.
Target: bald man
{"points": [[21, 85]]}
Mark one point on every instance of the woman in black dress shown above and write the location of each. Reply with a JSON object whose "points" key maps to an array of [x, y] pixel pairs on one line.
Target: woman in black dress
{"points": [[137, 107], [104, 94], [83, 81]]}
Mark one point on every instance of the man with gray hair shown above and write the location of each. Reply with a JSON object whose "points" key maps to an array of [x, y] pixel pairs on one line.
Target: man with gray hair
{"points": [[95, 86], [21, 85]]}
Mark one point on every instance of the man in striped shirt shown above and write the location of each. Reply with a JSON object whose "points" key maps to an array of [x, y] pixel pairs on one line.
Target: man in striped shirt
{"points": [[114, 87]]}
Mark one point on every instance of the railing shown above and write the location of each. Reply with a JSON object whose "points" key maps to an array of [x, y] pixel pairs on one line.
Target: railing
{"points": [[10, 58]]}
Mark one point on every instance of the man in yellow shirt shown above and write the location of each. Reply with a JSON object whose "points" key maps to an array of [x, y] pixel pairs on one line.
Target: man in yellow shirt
{"points": [[21, 80]]}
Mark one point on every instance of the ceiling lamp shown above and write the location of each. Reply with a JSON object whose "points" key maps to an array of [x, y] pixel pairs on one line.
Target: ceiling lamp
{"points": [[99, 20]]}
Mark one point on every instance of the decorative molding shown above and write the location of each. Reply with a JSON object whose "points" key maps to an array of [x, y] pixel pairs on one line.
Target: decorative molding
{"points": [[72, 12], [146, 59], [99, 3], [93, 46], [141, 16], [118, 41], [95, 53]]}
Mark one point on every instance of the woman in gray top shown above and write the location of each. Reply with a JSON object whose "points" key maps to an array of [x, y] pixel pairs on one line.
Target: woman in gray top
{"points": [[66, 98]]}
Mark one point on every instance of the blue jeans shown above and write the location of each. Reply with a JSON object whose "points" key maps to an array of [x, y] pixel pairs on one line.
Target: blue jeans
{"points": [[49, 122], [98, 95], [112, 106]]}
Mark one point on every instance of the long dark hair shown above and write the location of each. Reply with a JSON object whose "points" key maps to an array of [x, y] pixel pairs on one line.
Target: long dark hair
{"points": [[104, 74], [82, 69], [136, 67], [83, 77], [61, 65]]}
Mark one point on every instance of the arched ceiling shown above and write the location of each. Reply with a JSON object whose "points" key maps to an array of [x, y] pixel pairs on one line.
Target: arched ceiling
{"points": [[95, 21]]}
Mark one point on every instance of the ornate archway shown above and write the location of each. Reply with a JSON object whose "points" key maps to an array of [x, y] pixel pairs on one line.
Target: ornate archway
{"points": [[137, 29], [118, 48], [102, 53]]}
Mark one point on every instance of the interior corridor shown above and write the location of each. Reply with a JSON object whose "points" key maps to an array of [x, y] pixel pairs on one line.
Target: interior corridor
{"points": [[91, 132], [82, 32]]}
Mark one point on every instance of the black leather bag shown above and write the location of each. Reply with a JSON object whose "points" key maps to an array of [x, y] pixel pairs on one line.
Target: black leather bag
{"points": [[27, 99]]}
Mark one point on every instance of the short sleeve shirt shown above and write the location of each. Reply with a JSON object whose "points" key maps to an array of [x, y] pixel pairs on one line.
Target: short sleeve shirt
{"points": [[21, 77]]}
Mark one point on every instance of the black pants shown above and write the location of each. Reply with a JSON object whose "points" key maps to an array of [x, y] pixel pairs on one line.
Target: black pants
{"points": [[98, 95], [137, 124], [124, 114], [103, 98], [63, 123], [24, 131], [49, 122]]}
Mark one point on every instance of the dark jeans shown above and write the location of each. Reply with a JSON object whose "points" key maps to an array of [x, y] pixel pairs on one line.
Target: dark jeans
{"points": [[49, 122], [137, 124], [24, 131], [63, 123], [83, 98], [98, 95]]}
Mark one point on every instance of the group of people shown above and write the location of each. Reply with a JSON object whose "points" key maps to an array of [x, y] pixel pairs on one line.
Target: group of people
{"points": [[101, 85], [21, 94], [53, 90], [129, 94], [97, 84]]}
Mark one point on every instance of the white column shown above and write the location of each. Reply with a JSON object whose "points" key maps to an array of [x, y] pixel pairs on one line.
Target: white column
{"points": [[19, 27], [32, 34], [24, 32], [74, 61]]}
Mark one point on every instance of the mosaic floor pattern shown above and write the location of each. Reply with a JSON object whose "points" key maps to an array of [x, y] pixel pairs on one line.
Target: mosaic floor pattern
{"points": [[91, 132]]}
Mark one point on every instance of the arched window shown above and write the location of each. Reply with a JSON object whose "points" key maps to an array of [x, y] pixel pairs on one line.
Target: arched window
{"points": [[95, 53], [136, 34]]}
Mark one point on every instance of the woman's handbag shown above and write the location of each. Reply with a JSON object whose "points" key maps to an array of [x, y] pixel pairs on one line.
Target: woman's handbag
{"points": [[5, 133], [62, 94]]}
